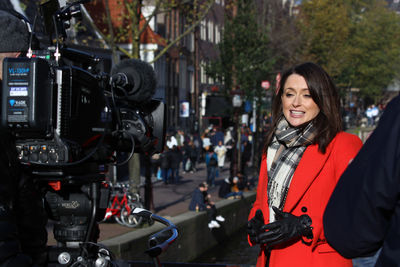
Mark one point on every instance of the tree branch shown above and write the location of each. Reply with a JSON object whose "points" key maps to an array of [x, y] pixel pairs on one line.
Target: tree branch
{"points": [[188, 30]]}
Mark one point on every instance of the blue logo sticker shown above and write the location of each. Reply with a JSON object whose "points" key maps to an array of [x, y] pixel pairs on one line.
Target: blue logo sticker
{"points": [[12, 102]]}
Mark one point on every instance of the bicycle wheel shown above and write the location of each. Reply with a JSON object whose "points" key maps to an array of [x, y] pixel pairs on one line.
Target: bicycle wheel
{"points": [[118, 219], [129, 219]]}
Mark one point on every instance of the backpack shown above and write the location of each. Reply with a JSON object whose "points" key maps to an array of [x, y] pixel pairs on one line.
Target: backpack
{"points": [[213, 162]]}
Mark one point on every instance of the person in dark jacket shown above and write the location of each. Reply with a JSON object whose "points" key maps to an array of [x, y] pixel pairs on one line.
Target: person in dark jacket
{"points": [[165, 164], [175, 159], [190, 154], [200, 202], [363, 213], [225, 189], [212, 165], [246, 154]]}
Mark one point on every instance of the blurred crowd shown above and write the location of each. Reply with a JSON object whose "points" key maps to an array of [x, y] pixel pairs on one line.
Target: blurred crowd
{"points": [[214, 146]]}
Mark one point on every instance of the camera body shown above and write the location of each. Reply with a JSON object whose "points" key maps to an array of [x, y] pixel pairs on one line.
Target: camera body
{"points": [[58, 114], [52, 111]]}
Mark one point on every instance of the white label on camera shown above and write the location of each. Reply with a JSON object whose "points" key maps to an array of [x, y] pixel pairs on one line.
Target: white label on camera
{"points": [[18, 91]]}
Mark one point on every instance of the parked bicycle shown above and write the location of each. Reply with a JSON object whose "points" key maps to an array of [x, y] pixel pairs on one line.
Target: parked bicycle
{"points": [[121, 205]]}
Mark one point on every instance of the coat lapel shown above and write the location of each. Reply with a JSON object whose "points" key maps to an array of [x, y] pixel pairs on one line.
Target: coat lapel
{"points": [[308, 169]]}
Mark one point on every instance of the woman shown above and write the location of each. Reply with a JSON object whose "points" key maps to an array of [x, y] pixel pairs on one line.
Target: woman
{"points": [[304, 155], [221, 150]]}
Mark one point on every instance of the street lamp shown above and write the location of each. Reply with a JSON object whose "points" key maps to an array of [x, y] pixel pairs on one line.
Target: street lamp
{"points": [[236, 103]]}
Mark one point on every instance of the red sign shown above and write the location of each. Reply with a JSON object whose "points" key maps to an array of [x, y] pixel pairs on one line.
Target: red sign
{"points": [[265, 85]]}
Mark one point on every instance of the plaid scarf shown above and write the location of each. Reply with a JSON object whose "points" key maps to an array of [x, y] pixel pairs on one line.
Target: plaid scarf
{"points": [[289, 144]]}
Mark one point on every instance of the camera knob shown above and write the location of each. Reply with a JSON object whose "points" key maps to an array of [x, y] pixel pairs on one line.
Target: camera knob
{"points": [[25, 151], [52, 156], [43, 157], [34, 156], [64, 258]]}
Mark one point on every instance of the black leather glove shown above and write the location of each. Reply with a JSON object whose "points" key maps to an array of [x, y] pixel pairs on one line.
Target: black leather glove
{"points": [[287, 227], [254, 226]]}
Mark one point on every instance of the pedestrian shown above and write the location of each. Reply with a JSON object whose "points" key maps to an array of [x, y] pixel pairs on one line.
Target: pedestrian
{"points": [[246, 155], [171, 141], [303, 157], [229, 188], [369, 115], [155, 163], [206, 141], [211, 164], [208, 201], [216, 136], [175, 160], [374, 114], [221, 150], [191, 154], [165, 164], [198, 203], [243, 183], [363, 213], [180, 138], [198, 143], [229, 143]]}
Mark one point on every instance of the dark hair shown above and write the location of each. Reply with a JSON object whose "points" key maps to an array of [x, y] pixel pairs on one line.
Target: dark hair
{"points": [[324, 93]]}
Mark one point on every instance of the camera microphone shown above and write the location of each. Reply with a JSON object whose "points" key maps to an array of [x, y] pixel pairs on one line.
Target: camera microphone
{"points": [[134, 79]]}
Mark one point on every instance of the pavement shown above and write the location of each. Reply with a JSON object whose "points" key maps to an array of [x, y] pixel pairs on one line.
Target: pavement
{"points": [[169, 199]]}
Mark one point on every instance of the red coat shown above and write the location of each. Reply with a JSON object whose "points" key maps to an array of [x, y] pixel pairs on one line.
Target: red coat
{"points": [[311, 186]]}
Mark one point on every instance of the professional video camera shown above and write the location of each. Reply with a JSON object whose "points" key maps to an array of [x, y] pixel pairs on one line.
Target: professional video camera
{"points": [[69, 118]]}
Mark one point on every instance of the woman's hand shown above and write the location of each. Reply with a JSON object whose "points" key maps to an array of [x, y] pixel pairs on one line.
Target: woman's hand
{"points": [[254, 226], [287, 227]]}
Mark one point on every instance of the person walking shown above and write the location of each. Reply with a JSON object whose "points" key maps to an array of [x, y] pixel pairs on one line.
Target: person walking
{"points": [[246, 155], [165, 164], [229, 143], [175, 160], [205, 138], [221, 150], [211, 163], [191, 155], [304, 155]]}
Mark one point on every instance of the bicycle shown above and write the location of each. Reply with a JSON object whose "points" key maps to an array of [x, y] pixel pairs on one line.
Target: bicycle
{"points": [[121, 206]]}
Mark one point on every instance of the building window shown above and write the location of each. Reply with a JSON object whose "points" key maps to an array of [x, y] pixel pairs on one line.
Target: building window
{"points": [[203, 75], [210, 31], [191, 42], [191, 82], [203, 30], [217, 35]]}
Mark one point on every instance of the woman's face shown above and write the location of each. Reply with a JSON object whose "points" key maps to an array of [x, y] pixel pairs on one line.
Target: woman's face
{"points": [[297, 103]]}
